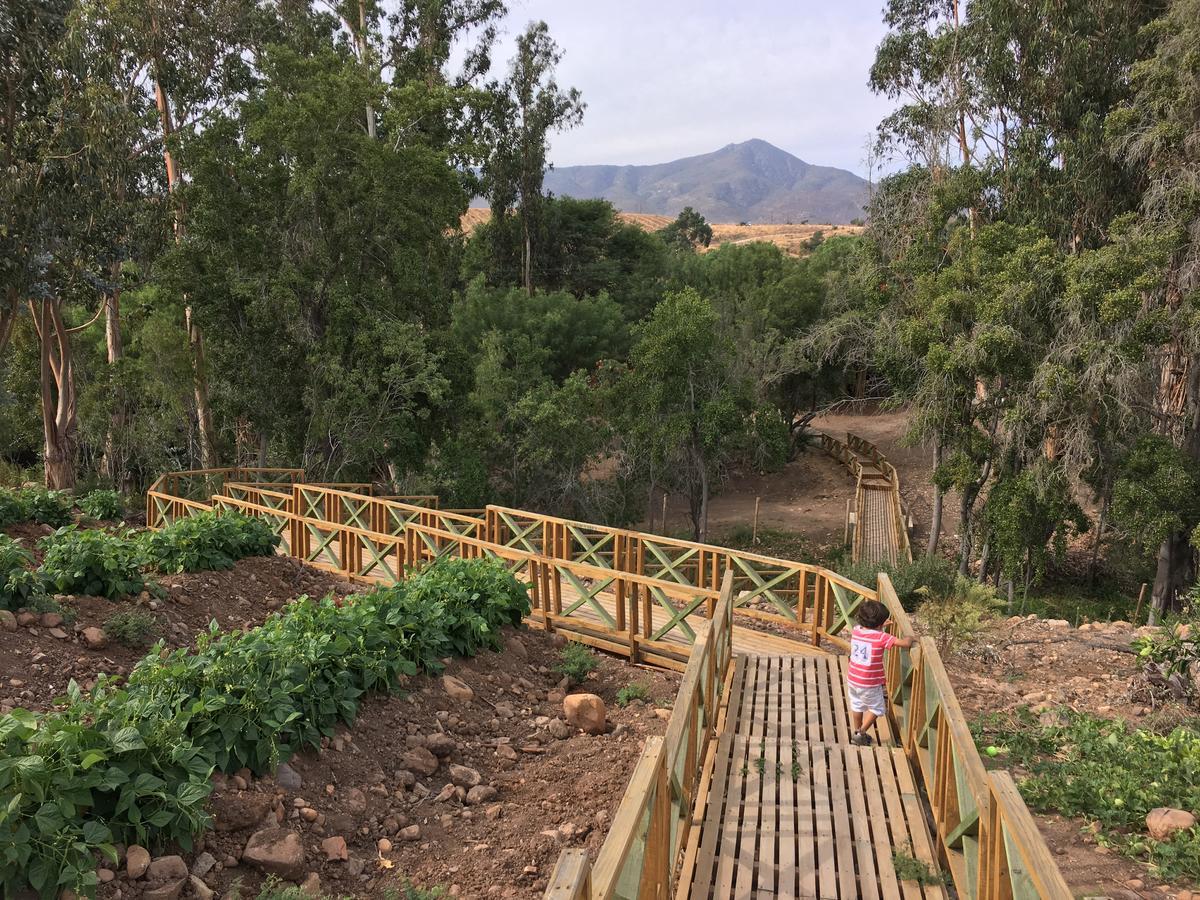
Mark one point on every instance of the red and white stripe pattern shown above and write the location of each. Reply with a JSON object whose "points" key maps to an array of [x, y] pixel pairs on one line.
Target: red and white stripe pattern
{"points": [[866, 657]]}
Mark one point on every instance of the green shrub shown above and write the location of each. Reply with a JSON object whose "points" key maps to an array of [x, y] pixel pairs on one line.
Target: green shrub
{"points": [[51, 508], [92, 562], [12, 508], [131, 627], [924, 578], [19, 584], [133, 765], [1106, 772], [959, 617], [103, 504], [631, 692], [576, 661], [208, 540]]}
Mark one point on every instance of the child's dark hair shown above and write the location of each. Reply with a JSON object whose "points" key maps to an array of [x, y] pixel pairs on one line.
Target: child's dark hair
{"points": [[871, 614]]}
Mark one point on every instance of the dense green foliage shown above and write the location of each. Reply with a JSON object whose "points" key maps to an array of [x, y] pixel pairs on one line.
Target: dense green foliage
{"points": [[103, 504], [131, 627], [34, 504], [206, 541], [93, 562], [19, 584], [132, 764], [1080, 767]]}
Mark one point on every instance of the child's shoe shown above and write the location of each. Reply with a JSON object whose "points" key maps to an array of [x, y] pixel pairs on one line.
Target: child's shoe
{"points": [[860, 739]]}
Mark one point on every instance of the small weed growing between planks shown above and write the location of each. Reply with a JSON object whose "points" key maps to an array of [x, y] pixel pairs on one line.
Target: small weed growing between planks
{"points": [[909, 868]]}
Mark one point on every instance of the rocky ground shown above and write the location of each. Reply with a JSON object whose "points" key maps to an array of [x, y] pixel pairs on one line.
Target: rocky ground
{"points": [[472, 781], [1046, 665]]}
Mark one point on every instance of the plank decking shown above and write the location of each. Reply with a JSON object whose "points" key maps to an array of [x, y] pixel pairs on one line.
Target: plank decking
{"points": [[792, 808]]}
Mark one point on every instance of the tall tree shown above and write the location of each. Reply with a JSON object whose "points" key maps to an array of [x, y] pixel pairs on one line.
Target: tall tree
{"points": [[529, 108]]}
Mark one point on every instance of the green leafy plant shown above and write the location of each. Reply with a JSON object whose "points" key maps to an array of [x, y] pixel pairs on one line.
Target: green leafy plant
{"points": [[635, 691], [909, 868], [1168, 657], [12, 507], [133, 764], [131, 627], [958, 618], [208, 540], [92, 562], [1079, 766], [103, 504], [46, 507], [19, 585], [924, 577], [576, 661]]}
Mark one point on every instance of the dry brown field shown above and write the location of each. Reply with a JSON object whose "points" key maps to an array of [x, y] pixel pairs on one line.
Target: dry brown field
{"points": [[790, 238]]}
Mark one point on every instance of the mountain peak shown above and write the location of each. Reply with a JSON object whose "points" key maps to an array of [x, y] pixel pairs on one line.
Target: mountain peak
{"points": [[751, 180]]}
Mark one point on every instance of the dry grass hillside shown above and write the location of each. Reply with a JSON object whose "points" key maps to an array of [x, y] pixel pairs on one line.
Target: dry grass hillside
{"points": [[790, 238]]}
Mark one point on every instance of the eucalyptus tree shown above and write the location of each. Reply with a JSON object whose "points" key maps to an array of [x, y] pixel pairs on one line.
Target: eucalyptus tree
{"points": [[529, 106]]}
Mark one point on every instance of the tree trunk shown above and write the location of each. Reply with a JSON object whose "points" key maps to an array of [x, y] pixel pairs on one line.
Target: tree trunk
{"points": [[650, 510], [362, 50], [935, 518], [702, 537], [1174, 572], [264, 441], [59, 423], [1094, 561], [8, 317], [527, 261], [111, 463], [204, 418]]}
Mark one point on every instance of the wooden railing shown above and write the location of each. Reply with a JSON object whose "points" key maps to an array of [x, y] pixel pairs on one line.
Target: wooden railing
{"points": [[640, 855], [879, 475], [799, 596], [604, 586], [985, 836]]}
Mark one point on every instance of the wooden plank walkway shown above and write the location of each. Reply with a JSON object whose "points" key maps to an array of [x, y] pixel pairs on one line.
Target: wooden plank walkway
{"points": [[793, 809], [880, 542]]}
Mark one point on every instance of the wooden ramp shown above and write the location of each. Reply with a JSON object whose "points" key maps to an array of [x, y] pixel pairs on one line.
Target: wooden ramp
{"points": [[792, 808], [880, 527]]}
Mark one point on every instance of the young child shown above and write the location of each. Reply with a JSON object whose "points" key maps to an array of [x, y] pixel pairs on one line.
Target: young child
{"points": [[866, 680]]}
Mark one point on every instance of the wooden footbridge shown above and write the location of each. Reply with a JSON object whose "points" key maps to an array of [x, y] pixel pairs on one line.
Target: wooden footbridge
{"points": [[876, 524], [755, 790]]}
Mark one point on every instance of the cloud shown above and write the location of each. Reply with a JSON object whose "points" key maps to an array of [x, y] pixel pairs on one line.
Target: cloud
{"points": [[664, 79]]}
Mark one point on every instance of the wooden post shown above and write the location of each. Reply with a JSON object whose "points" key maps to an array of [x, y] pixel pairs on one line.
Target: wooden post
{"points": [[754, 530], [1137, 613], [663, 526]]}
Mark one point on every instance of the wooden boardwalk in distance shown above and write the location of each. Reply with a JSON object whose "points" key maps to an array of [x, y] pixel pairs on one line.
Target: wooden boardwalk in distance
{"points": [[791, 808], [877, 520]]}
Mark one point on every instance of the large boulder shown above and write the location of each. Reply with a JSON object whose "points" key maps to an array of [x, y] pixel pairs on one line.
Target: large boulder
{"points": [[586, 712], [276, 851], [1164, 822]]}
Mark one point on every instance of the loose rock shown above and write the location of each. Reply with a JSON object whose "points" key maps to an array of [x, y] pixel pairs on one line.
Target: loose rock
{"points": [[464, 776], [586, 712], [1164, 822], [288, 778], [95, 638], [481, 793], [167, 868], [421, 761], [137, 861], [441, 744], [457, 689], [335, 849], [276, 851], [201, 890]]}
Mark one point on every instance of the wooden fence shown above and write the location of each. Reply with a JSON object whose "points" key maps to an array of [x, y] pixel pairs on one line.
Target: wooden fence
{"points": [[986, 838], [658, 600], [640, 855]]}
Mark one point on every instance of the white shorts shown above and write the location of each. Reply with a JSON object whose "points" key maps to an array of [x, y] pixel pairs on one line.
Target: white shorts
{"points": [[863, 699]]}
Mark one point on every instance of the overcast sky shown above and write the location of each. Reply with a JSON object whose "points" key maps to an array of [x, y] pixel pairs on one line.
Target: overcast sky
{"points": [[668, 78]]}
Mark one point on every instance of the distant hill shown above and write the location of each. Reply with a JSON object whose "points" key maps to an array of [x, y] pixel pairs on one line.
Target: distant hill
{"points": [[749, 182], [792, 239]]}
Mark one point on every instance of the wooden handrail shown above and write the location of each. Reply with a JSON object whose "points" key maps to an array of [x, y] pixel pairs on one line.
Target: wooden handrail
{"points": [[655, 813]]}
